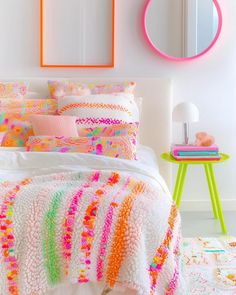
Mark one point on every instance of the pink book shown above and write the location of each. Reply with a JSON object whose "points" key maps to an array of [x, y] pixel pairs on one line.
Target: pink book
{"points": [[193, 148], [179, 158]]}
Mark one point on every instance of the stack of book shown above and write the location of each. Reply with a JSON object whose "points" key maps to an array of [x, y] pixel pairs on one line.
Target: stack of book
{"points": [[195, 153]]}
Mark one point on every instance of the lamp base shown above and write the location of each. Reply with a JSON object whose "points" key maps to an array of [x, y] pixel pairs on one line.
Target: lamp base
{"points": [[186, 134]]}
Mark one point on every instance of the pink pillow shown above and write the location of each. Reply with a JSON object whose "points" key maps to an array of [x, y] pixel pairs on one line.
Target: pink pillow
{"points": [[47, 125], [115, 147]]}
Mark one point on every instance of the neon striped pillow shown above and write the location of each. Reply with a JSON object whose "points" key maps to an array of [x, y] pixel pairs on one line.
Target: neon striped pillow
{"points": [[100, 110]]}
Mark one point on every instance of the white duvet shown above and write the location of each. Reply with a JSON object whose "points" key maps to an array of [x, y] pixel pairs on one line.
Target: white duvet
{"points": [[16, 164]]}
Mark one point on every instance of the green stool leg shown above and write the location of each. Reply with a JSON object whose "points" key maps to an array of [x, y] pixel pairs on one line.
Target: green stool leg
{"points": [[211, 190], [177, 183], [181, 184], [217, 199]]}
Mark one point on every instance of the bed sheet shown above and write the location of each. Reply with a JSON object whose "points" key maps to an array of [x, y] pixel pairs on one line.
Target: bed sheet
{"points": [[16, 164]]}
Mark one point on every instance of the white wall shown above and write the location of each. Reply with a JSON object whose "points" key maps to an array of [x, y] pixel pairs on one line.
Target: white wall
{"points": [[209, 82], [71, 36]]}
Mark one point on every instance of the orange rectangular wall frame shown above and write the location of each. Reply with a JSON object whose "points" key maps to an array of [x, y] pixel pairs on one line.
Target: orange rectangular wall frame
{"points": [[42, 64]]}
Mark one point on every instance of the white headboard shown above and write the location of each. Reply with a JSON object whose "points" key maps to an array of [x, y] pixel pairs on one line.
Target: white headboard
{"points": [[156, 110]]}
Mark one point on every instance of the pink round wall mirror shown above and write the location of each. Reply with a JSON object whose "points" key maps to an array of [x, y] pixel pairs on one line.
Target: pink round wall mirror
{"points": [[182, 30]]}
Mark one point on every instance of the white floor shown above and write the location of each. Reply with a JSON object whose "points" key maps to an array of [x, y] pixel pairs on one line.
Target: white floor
{"points": [[195, 224]]}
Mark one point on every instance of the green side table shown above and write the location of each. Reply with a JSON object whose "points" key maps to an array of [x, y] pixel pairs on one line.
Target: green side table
{"points": [[208, 166]]}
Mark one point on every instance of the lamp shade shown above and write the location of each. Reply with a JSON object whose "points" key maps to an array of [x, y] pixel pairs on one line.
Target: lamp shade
{"points": [[185, 112]]}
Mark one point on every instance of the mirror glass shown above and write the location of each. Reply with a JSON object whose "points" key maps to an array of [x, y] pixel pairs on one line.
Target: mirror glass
{"points": [[182, 28]]}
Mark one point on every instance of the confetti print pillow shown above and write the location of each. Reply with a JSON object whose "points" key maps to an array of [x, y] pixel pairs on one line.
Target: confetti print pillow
{"points": [[17, 129], [100, 110], [13, 89], [28, 106], [115, 147], [130, 130], [14, 117], [60, 89], [17, 134], [125, 87], [2, 135]]}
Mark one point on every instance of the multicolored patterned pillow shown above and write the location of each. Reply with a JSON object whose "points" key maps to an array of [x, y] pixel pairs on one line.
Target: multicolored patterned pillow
{"points": [[13, 110], [32, 106], [7, 118], [126, 87], [13, 89], [130, 130], [100, 109], [60, 89], [17, 134], [115, 147], [2, 135]]}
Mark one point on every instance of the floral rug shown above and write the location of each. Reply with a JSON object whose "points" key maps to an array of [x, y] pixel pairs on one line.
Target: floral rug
{"points": [[211, 265]]}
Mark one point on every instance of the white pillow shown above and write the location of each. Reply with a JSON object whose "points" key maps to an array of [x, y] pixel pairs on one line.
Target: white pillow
{"points": [[100, 109]]}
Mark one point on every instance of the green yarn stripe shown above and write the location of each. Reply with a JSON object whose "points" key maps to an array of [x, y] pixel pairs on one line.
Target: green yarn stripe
{"points": [[51, 256]]}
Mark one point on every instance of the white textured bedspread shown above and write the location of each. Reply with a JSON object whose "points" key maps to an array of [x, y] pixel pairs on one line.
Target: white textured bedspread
{"points": [[114, 223]]}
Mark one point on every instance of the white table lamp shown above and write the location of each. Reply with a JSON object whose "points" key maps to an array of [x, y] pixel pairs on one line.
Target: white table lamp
{"points": [[186, 113]]}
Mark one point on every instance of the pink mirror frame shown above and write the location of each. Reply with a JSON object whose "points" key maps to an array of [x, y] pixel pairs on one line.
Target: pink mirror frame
{"points": [[172, 58]]}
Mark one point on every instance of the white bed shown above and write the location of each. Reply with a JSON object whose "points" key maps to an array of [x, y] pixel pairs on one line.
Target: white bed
{"points": [[155, 130], [16, 164], [155, 133]]}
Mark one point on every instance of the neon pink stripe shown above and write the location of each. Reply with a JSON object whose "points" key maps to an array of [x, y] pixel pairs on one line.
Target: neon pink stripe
{"points": [[70, 219], [7, 238], [104, 239], [87, 235], [69, 223], [106, 232]]}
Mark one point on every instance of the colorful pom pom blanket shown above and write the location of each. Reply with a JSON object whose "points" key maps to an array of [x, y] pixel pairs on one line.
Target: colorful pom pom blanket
{"points": [[82, 227]]}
